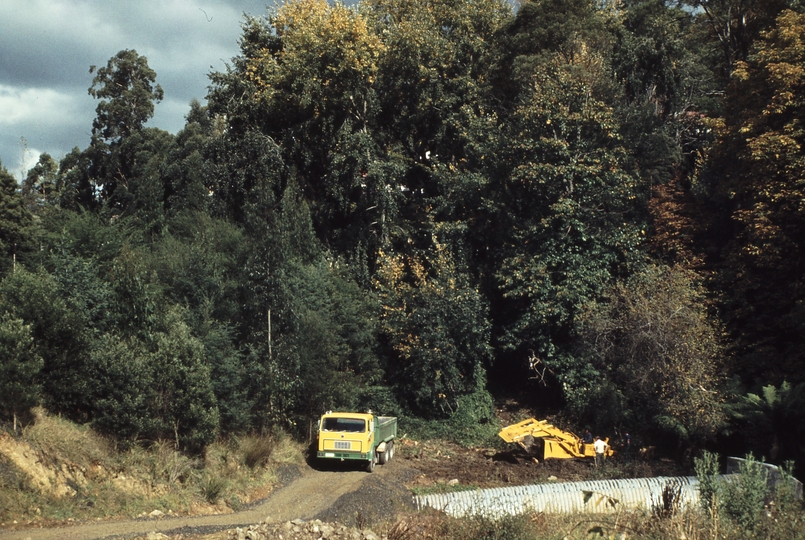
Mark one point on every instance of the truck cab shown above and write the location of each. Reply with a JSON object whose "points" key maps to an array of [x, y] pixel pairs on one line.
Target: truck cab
{"points": [[356, 436]]}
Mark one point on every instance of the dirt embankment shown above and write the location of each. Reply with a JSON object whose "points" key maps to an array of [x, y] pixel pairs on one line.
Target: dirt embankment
{"points": [[307, 493], [347, 496]]}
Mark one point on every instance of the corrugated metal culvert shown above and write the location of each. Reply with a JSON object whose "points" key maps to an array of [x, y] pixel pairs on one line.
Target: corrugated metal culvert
{"points": [[596, 496]]}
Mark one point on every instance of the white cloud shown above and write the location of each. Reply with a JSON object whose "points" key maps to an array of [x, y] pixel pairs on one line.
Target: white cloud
{"points": [[38, 106]]}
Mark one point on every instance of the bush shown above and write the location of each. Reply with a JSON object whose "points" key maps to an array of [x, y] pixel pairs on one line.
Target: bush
{"points": [[472, 423], [213, 487], [19, 367], [744, 499], [256, 450], [169, 465], [707, 473]]}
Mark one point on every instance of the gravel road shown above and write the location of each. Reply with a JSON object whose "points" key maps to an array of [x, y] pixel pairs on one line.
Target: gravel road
{"points": [[342, 493]]}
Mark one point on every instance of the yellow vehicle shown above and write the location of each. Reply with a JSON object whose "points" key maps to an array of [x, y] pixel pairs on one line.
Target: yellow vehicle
{"points": [[557, 444], [357, 436]]}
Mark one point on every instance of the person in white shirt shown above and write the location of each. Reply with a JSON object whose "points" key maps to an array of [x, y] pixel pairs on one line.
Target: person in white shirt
{"points": [[600, 449]]}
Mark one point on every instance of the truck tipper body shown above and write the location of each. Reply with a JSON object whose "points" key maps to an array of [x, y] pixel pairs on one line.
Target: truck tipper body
{"points": [[357, 436]]}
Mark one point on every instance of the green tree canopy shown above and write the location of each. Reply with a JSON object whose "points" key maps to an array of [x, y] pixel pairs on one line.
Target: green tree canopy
{"points": [[755, 176], [653, 339], [15, 220], [19, 368], [127, 93]]}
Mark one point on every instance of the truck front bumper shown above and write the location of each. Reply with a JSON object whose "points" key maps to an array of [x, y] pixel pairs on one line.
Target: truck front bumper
{"points": [[341, 455]]}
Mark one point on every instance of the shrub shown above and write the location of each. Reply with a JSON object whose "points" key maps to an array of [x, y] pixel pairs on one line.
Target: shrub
{"points": [[707, 473], [213, 487], [472, 423], [256, 450], [744, 498], [168, 464]]}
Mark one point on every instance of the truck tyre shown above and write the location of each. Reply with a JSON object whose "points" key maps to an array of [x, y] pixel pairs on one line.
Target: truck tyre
{"points": [[370, 467], [390, 451], [383, 457]]}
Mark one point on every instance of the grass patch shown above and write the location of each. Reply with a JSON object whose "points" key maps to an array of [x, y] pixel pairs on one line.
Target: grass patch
{"points": [[443, 487], [689, 524], [256, 450], [98, 481], [213, 487], [58, 438]]}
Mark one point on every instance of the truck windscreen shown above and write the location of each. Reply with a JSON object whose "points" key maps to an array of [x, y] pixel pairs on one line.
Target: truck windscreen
{"points": [[352, 425]]}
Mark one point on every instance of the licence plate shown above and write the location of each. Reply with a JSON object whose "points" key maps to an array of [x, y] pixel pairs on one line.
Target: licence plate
{"points": [[329, 454]]}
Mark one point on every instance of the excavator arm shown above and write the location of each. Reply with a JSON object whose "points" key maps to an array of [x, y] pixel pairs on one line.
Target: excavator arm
{"points": [[557, 443]]}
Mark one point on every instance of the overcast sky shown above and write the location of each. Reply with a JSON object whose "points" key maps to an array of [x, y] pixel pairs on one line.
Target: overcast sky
{"points": [[47, 47]]}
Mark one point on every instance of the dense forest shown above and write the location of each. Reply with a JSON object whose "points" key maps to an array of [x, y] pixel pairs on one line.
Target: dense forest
{"points": [[418, 206]]}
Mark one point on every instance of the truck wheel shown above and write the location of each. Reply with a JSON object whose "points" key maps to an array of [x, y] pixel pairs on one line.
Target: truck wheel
{"points": [[383, 457], [370, 467], [390, 451]]}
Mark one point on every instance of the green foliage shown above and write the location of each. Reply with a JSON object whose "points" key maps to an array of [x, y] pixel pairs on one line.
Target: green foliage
{"points": [[59, 336], [213, 487], [573, 30], [754, 180], [19, 368], [772, 421], [378, 205], [709, 487], [567, 216], [654, 338], [119, 170], [137, 297], [744, 498], [15, 221], [472, 423], [734, 25], [435, 322], [184, 168], [127, 93], [120, 386], [380, 399], [41, 184], [182, 393]]}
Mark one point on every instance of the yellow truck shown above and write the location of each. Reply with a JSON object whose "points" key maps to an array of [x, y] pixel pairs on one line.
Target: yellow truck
{"points": [[356, 436]]}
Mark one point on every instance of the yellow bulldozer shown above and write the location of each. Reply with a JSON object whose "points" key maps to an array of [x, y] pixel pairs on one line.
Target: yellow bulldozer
{"points": [[557, 444]]}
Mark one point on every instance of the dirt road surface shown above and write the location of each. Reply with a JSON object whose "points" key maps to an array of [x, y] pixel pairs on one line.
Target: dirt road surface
{"points": [[308, 493]]}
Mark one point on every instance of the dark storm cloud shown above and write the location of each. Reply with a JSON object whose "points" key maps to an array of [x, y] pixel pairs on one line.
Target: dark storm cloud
{"points": [[47, 47]]}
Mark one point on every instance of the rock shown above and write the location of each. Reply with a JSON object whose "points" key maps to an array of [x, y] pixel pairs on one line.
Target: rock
{"points": [[303, 530], [156, 514], [453, 482], [552, 478]]}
